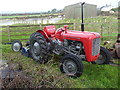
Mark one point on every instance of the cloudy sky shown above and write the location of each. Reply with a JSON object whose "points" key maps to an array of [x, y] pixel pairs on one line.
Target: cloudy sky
{"points": [[45, 5]]}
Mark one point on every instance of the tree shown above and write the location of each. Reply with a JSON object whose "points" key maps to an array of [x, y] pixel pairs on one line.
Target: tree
{"points": [[48, 12], [115, 9], [54, 10]]}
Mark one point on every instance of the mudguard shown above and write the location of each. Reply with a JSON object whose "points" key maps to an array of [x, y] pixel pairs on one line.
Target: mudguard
{"points": [[44, 34]]}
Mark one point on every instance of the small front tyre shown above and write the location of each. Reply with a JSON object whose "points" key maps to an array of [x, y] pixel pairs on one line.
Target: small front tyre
{"points": [[71, 65], [104, 57], [16, 46]]}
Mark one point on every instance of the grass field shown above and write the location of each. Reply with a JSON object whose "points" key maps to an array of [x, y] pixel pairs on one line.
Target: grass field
{"points": [[28, 16], [18, 16], [94, 76], [107, 26]]}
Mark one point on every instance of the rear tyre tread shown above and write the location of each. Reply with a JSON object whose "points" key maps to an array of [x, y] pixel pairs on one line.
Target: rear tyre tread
{"points": [[38, 37]]}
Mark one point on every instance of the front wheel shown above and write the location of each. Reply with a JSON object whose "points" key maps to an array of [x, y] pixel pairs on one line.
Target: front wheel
{"points": [[104, 57], [71, 65], [16, 46]]}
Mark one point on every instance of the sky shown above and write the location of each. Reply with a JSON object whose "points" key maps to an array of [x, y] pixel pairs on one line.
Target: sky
{"points": [[45, 5]]}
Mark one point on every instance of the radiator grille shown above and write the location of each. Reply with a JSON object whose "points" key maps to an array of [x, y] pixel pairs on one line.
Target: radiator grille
{"points": [[95, 46]]}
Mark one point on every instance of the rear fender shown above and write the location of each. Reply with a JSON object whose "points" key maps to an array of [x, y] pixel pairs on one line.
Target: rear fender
{"points": [[44, 34]]}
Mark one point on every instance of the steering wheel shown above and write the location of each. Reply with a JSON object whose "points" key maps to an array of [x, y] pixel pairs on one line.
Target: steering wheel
{"points": [[59, 29]]}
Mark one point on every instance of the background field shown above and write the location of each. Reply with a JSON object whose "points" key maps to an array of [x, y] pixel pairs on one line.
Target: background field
{"points": [[28, 16], [107, 26], [94, 76]]}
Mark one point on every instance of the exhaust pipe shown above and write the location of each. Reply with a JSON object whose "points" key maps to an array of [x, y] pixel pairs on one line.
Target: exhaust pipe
{"points": [[82, 24]]}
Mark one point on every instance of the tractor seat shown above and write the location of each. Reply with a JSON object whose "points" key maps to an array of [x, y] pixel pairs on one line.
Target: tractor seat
{"points": [[50, 30]]}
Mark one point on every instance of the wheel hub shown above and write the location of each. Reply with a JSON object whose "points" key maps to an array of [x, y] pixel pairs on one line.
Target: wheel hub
{"points": [[16, 47], [100, 60], [70, 67], [36, 48]]}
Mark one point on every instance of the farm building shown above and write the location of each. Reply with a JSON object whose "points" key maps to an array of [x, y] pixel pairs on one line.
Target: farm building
{"points": [[119, 17], [119, 9], [119, 4], [74, 11]]}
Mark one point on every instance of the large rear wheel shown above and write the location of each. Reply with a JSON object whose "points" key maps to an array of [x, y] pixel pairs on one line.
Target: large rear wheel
{"points": [[38, 48]]}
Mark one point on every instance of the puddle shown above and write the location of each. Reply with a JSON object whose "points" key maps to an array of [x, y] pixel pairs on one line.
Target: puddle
{"points": [[3, 64], [4, 70], [7, 71], [29, 20], [10, 74]]}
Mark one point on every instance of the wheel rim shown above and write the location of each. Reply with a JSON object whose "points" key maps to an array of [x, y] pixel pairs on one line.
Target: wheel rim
{"points": [[100, 60], [16, 47], [69, 67], [36, 50]]}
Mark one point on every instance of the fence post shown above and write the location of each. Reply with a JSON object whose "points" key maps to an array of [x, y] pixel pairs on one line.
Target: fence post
{"points": [[40, 26], [59, 25], [42, 21], [35, 21], [48, 20], [109, 31], [74, 25], [8, 29], [101, 31]]}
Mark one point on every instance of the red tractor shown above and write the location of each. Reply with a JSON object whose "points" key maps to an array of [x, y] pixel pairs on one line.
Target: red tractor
{"points": [[74, 45]]}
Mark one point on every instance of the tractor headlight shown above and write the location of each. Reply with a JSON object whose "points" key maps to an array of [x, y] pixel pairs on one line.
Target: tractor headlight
{"points": [[95, 46]]}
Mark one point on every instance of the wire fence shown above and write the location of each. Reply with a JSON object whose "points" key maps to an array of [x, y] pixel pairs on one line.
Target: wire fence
{"points": [[108, 30]]}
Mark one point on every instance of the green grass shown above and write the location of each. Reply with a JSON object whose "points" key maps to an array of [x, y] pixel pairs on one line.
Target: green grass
{"points": [[94, 76], [109, 28], [10, 16], [20, 16], [36, 15], [18, 31]]}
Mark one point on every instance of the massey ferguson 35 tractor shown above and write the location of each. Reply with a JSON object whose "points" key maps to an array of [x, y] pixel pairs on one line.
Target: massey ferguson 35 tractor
{"points": [[74, 46]]}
